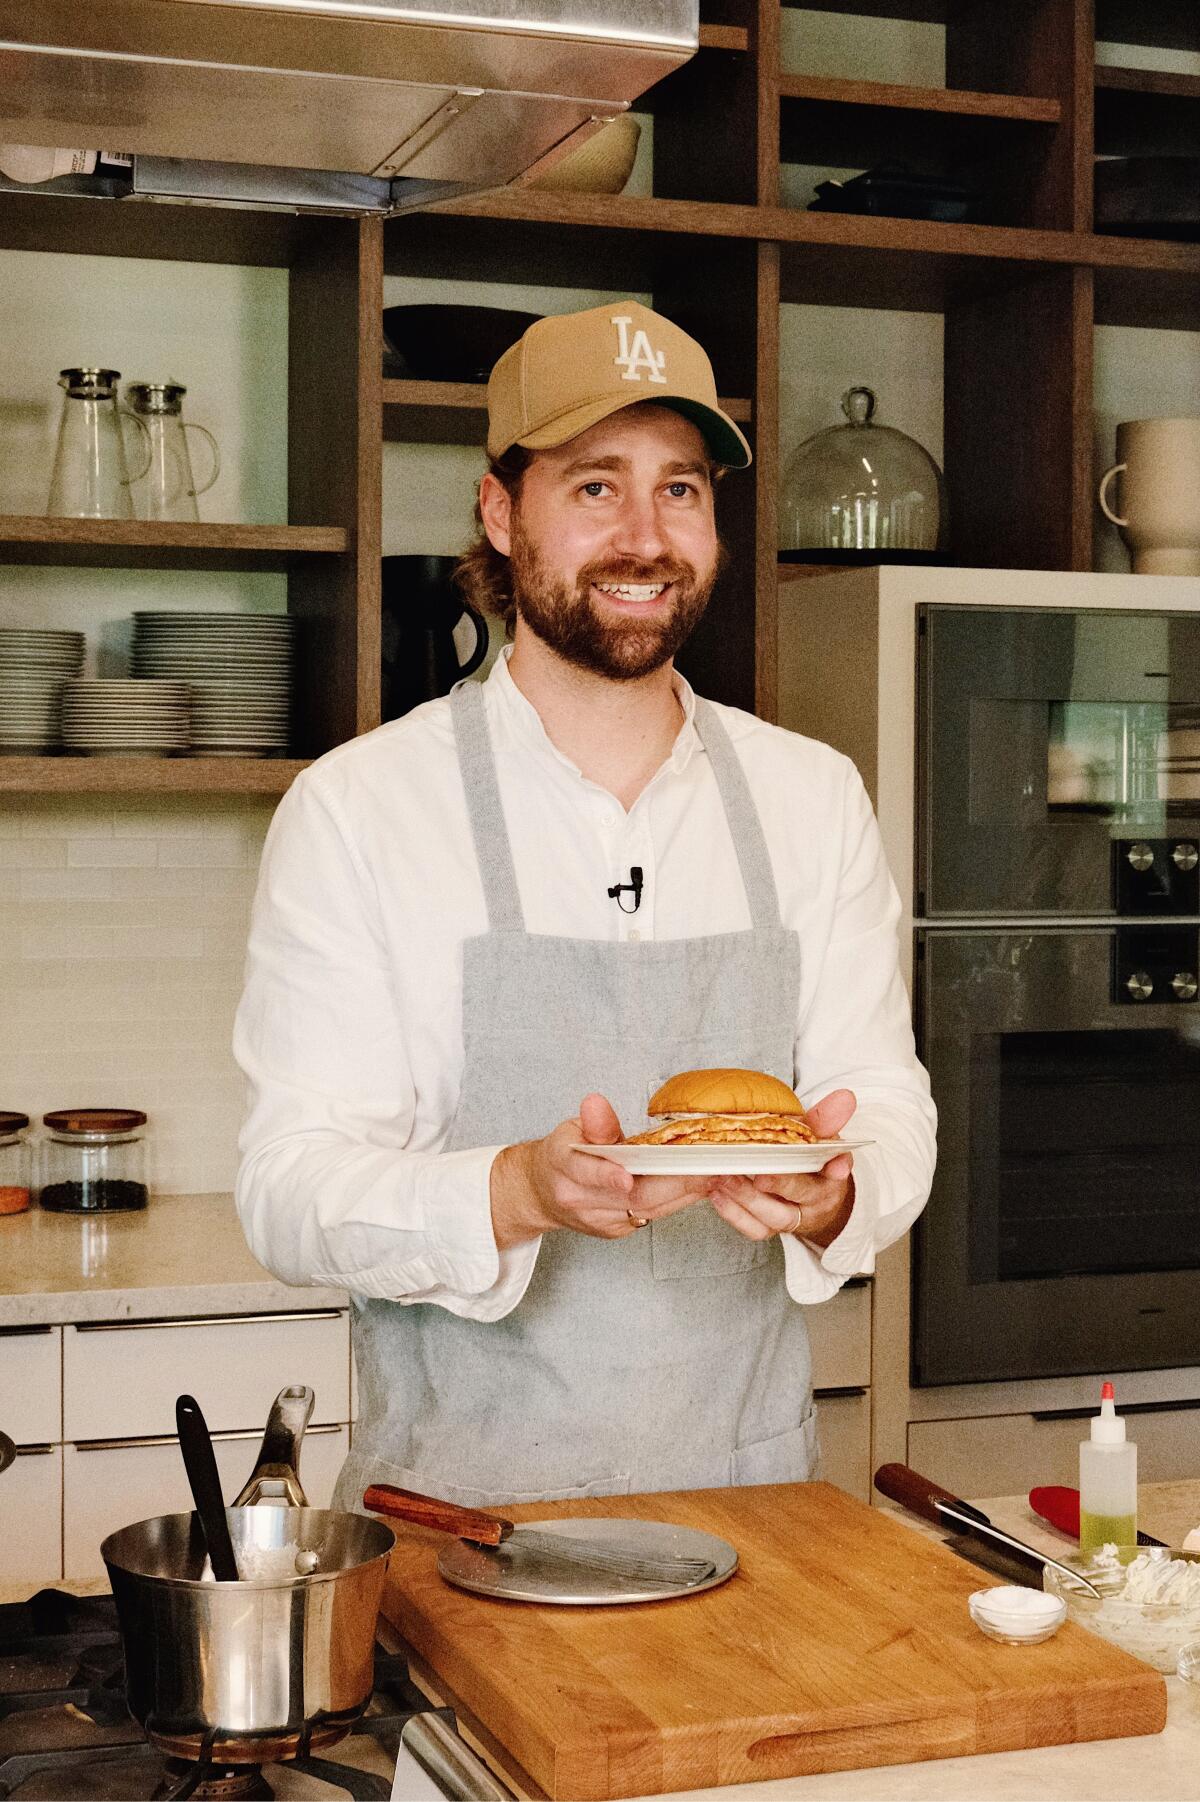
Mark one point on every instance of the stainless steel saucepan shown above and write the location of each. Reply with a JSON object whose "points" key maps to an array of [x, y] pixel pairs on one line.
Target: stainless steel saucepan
{"points": [[280, 1661]]}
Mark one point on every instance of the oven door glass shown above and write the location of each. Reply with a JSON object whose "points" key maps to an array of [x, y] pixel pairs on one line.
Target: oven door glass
{"points": [[1062, 1235], [1058, 751]]}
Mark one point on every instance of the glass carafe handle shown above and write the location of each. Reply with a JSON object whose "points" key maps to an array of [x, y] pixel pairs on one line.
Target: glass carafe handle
{"points": [[147, 445], [190, 426]]}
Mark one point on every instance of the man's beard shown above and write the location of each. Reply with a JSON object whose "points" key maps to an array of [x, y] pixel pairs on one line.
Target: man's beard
{"points": [[570, 621]]}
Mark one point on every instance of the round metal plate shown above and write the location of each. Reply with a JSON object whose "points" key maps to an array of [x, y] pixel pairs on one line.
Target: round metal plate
{"points": [[514, 1574]]}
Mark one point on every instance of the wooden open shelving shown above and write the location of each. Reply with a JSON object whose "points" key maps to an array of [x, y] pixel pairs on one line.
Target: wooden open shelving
{"points": [[1020, 297], [456, 412], [153, 775], [154, 544]]}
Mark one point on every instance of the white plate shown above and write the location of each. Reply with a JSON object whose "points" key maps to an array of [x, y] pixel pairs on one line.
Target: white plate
{"points": [[723, 1160]]}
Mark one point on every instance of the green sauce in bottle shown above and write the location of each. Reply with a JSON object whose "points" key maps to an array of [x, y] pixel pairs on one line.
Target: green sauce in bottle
{"points": [[1096, 1530]]}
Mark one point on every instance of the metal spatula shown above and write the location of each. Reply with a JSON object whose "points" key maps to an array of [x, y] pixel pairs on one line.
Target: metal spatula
{"points": [[493, 1530]]}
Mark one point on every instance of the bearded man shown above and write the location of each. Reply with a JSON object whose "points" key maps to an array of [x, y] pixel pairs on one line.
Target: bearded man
{"points": [[488, 931]]}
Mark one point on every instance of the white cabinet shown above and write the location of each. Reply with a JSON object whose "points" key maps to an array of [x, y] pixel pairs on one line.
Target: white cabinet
{"points": [[107, 1486], [1009, 1454], [844, 1430], [120, 1381], [31, 1488], [31, 1516], [31, 1385], [840, 1333]]}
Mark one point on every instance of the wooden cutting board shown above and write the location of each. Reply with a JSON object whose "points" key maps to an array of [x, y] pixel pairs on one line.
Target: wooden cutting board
{"points": [[842, 1641]]}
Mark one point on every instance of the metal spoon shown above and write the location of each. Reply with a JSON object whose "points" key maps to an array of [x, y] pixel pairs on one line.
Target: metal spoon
{"points": [[195, 1443]]}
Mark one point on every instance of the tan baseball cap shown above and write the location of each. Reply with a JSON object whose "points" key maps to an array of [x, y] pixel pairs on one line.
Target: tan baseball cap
{"points": [[573, 369]]}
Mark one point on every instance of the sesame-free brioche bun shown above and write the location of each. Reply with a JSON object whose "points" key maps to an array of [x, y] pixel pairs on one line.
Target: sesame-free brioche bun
{"points": [[724, 1092], [726, 1107]]}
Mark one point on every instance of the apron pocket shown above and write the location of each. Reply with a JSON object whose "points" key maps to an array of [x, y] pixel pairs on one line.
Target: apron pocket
{"points": [[697, 1243], [789, 1457]]}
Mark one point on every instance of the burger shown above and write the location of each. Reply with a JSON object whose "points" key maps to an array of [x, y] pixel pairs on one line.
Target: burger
{"points": [[726, 1107]]}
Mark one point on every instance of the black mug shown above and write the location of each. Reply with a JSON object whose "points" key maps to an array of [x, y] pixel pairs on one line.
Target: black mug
{"points": [[421, 608]]}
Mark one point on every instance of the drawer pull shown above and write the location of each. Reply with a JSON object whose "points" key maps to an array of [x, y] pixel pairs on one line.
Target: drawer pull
{"points": [[130, 1326], [151, 1439], [848, 1389], [1173, 1407], [23, 1332], [35, 1451]]}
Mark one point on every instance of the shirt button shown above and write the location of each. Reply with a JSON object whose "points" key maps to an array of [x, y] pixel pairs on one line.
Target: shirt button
{"points": [[633, 933]]}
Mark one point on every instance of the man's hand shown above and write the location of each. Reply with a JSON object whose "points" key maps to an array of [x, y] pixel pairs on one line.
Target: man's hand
{"points": [[763, 1207], [542, 1185]]}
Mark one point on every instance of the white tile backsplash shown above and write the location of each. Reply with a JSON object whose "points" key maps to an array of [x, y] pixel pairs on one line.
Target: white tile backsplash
{"points": [[124, 925]]}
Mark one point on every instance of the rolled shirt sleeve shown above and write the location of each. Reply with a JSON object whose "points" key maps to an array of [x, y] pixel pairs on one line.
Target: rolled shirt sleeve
{"points": [[855, 1032], [332, 1188]]}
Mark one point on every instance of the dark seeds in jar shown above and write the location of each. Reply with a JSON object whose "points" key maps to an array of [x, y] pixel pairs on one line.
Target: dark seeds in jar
{"points": [[85, 1198]]}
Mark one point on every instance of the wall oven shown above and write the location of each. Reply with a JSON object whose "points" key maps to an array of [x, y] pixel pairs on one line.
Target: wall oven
{"points": [[1057, 974]]}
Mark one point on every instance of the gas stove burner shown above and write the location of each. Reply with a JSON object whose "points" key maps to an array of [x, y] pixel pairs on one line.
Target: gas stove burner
{"points": [[212, 1783]]}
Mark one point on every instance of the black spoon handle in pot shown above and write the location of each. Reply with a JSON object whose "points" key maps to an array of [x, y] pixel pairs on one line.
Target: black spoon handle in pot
{"points": [[201, 1464]]}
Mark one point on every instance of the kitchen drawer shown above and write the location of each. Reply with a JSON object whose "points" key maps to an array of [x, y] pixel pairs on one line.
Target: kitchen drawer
{"points": [[31, 1386], [121, 1381], [844, 1429], [31, 1516], [1009, 1454], [840, 1331], [110, 1486]]}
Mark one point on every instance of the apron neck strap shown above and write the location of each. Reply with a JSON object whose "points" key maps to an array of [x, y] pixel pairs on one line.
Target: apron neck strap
{"points": [[745, 826], [493, 849]]}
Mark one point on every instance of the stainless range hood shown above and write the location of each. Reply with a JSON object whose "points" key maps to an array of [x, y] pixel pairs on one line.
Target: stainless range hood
{"points": [[384, 105]]}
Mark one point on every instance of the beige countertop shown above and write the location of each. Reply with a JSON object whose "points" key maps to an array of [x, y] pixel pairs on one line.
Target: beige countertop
{"points": [[1163, 1767], [183, 1255]]}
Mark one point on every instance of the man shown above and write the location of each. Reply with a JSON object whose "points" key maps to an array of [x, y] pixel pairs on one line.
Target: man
{"points": [[454, 978]]}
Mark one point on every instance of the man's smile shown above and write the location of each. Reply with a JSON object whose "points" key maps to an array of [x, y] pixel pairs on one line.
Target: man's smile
{"points": [[634, 597]]}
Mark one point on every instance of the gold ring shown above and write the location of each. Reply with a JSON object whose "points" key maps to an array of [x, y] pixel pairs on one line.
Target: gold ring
{"points": [[798, 1221], [636, 1218]]}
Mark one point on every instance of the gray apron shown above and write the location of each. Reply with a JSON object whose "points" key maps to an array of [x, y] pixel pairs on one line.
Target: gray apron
{"points": [[670, 1359]]}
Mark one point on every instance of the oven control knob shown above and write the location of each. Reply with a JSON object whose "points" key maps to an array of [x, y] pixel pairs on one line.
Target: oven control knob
{"points": [[1184, 985], [1185, 856], [1140, 985], [1141, 856]]}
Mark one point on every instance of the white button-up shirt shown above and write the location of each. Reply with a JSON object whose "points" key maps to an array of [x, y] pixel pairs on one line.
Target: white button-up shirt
{"points": [[349, 1029]]}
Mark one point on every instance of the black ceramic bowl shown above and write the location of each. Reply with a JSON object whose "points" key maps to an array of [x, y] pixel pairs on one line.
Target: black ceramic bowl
{"points": [[451, 343]]}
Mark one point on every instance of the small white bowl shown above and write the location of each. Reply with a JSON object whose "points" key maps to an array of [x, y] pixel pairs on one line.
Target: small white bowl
{"points": [[998, 1614]]}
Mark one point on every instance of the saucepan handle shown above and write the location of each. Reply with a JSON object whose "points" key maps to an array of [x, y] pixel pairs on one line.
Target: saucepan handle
{"points": [[276, 1476], [428, 1511]]}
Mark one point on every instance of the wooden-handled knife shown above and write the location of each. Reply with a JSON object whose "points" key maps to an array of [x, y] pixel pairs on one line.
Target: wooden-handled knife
{"points": [[921, 1495]]}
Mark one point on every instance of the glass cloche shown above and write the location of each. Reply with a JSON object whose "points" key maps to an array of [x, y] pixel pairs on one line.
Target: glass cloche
{"points": [[862, 487]]}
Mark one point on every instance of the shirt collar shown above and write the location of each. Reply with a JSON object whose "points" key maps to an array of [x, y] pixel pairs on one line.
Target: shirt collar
{"points": [[522, 718]]}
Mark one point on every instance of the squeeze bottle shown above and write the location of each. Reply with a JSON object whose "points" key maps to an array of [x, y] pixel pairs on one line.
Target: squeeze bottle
{"points": [[1107, 1481]]}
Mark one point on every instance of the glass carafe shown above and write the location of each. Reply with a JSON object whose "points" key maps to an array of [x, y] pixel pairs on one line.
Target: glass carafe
{"points": [[91, 478], [862, 487], [168, 490]]}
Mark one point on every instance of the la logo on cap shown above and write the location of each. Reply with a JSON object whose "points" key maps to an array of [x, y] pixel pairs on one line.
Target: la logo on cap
{"points": [[639, 355]]}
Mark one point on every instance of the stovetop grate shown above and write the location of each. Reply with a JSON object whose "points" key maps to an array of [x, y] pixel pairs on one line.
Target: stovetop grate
{"points": [[75, 1738]]}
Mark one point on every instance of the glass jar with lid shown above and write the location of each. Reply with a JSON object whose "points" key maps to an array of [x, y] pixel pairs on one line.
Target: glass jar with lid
{"points": [[93, 1160], [15, 1171], [863, 489]]}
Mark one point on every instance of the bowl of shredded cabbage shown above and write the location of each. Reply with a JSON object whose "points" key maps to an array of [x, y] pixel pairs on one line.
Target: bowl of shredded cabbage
{"points": [[1149, 1601]]}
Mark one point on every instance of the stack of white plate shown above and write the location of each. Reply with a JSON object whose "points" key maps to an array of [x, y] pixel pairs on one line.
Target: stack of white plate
{"points": [[34, 664], [239, 667], [124, 717]]}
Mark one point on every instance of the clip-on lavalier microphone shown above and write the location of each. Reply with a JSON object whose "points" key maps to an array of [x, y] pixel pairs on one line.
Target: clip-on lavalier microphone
{"points": [[634, 886]]}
